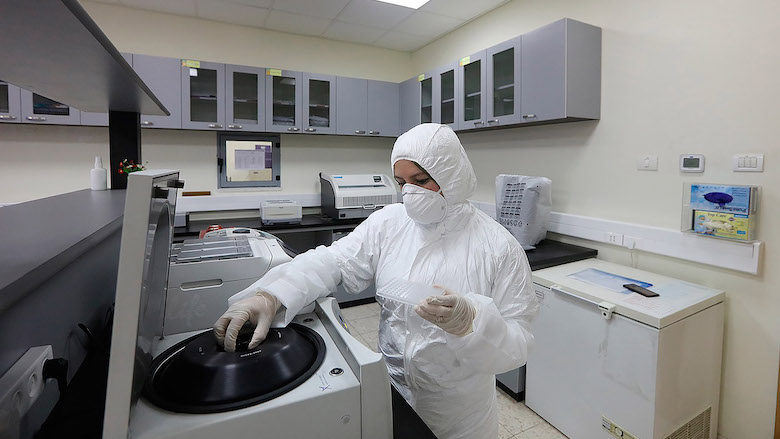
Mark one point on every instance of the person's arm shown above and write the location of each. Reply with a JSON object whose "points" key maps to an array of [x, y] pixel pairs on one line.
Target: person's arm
{"points": [[501, 327]]}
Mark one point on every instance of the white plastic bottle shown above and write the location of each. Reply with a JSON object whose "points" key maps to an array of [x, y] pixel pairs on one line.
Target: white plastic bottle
{"points": [[98, 177]]}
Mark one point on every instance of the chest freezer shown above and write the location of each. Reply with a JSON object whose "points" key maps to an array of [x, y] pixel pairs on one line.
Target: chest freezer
{"points": [[607, 362]]}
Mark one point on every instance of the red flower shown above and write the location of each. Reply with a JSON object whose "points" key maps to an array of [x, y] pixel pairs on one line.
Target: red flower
{"points": [[120, 171]]}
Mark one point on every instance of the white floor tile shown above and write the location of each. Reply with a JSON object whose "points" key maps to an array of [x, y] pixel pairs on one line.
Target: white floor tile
{"points": [[357, 312], [515, 416], [542, 431], [365, 325]]}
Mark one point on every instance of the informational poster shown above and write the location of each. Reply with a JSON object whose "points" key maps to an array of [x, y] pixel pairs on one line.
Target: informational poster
{"points": [[249, 160]]}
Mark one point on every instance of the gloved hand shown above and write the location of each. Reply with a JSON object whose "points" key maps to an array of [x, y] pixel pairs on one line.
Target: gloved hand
{"points": [[258, 310], [451, 312]]}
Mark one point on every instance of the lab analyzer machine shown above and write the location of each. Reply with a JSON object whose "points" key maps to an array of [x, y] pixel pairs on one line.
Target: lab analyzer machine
{"points": [[355, 196], [610, 362], [309, 379]]}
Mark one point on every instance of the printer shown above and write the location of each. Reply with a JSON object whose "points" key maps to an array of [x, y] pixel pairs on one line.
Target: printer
{"points": [[205, 272], [355, 196]]}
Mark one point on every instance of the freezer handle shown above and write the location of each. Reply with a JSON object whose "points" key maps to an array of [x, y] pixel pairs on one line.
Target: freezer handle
{"points": [[558, 289]]}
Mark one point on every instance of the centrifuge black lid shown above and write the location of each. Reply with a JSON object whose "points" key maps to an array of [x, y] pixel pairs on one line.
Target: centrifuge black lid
{"points": [[197, 375]]}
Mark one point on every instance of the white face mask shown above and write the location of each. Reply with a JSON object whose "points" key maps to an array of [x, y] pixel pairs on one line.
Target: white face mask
{"points": [[422, 205]]}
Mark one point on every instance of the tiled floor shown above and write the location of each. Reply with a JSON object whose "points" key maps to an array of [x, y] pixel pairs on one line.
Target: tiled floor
{"points": [[516, 421]]}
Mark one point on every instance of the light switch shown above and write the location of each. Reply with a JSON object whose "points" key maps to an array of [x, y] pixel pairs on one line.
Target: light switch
{"points": [[748, 163], [647, 163]]}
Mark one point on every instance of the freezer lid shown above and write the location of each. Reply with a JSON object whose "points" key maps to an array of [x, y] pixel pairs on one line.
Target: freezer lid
{"points": [[590, 279]]}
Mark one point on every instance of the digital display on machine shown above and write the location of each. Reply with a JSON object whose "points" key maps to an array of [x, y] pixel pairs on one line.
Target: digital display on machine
{"points": [[691, 162]]}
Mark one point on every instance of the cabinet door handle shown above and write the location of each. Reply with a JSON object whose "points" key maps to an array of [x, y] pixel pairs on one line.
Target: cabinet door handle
{"points": [[310, 130], [293, 129], [235, 127], [479, 122], [373, 132], [529, 116], [215, 125], [493, 121], [147, 123], [36, 118], [360, 132], [7, 117]]}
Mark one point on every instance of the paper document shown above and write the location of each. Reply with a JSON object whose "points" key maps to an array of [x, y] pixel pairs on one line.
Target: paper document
{"points": [[252, 159], [609, 281]]}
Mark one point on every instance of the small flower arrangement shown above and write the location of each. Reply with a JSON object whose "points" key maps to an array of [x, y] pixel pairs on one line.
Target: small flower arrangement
{"points": [[128, 166]]}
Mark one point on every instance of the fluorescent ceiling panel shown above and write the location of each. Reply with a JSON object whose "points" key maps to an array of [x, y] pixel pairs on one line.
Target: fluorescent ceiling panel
{"points": [[414, 4]]}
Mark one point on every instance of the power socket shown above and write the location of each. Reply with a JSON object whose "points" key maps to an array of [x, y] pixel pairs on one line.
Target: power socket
{"points": [[22, 385], [613, 238]]}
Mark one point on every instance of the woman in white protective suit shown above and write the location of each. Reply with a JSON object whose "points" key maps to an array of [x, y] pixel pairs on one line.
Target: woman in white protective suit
{"points": [[444, 365]]}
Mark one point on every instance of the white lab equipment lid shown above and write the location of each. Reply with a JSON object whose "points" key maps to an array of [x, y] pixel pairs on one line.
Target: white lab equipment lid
{"points": [[677, 299]]}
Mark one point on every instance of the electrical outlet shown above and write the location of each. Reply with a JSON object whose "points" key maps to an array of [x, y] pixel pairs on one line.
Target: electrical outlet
{"points": [[614, 238], [23, 383]]}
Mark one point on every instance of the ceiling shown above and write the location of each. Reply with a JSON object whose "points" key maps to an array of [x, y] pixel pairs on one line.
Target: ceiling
{"points": [[358, 21]]}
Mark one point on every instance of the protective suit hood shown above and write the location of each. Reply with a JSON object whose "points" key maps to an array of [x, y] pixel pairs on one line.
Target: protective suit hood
{"points": [[437, 149]]}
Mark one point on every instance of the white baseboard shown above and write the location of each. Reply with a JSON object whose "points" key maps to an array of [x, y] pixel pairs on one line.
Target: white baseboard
{"points": [[734, 255]]}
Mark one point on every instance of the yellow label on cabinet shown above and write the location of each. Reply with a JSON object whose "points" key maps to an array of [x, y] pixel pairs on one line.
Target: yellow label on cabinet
{"points": [[190, 63], [273, 72], [421, 77], [465, 60]]}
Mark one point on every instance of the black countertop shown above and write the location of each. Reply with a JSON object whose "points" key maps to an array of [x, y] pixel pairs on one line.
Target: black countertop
{"points": [[38, 238], [550, 253]]}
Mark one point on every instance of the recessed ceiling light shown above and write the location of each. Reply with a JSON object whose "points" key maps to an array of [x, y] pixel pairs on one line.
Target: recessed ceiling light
{"points": [[414, 4]]}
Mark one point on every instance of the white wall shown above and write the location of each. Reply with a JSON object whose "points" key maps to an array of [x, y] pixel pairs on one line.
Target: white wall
{"points": [[678, 77]]}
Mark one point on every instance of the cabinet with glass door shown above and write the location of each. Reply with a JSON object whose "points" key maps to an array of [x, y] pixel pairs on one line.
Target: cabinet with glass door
{"points": [[10, 103], [471, 81], [42, 110], [203, 95], [283, 101], [503, 83], [319, 103], [245, 91]]}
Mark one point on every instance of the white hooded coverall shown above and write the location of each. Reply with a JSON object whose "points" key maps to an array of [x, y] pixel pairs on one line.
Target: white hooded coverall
{"points": [[449, 380]]}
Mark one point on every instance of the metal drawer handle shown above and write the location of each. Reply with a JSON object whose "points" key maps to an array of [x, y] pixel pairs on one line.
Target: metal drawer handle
{"points": [[36, 118], [7, 117], [293, 129], [215, 125], [493, 121], [529, 116], [479, 122], [310, 130], [147, 123], [373, 132], [360, 132], [235, 127]]}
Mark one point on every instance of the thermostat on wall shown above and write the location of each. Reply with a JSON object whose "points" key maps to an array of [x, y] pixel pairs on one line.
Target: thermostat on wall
{"points": [[692, 163]]}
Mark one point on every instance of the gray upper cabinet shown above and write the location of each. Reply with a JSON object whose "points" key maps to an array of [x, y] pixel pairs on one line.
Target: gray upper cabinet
{"points": [[42, 110], [503, 83], [409, 104], [561, 72], [10, 103], [245, 92], [382, 111], [366, 108], [352, 104], [425, 103], [283, 101], [101, 119], [203, 95], [319, 104], [471, 91], [445, 86], [163, 77]]}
